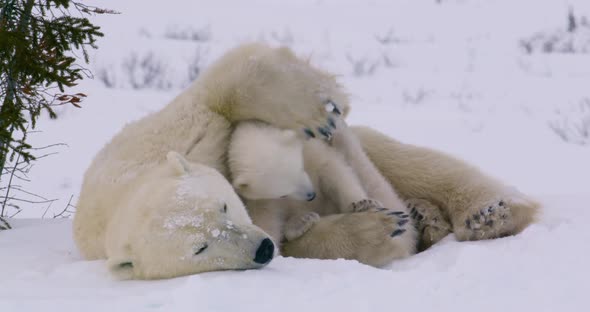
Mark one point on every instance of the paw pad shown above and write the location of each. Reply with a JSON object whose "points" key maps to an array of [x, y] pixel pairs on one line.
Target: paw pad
{"points": [[490, 221], [366, 204]]}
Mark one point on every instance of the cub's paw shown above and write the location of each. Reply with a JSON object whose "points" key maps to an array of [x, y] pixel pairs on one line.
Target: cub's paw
{"points": [[366, 205], [430, 223], [383, 236], [299, 225]]}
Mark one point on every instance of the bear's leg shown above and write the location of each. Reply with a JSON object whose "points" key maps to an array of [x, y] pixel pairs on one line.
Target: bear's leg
{"points": [[374, 238], [375, 184], [459, 189], [299, 224], [332, 175], [431, 224], [257, 82]]}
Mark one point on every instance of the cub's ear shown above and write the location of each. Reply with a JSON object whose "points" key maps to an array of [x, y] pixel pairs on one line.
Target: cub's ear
{"points": [[121, 268], [178, 162]]}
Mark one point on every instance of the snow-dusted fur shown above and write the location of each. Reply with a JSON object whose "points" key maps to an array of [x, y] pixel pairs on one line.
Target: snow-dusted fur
{"points": [[250, 82], [267, 163], [182, 218]]}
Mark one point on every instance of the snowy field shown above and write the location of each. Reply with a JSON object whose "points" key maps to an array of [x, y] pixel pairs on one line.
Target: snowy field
{"points": [[501, 84]]}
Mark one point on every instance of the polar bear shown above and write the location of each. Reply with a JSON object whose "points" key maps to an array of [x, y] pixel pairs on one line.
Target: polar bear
{"points": [[250, 82], [182, 218], [258, 154], [272, 85], [267, 162], [275, 171]]}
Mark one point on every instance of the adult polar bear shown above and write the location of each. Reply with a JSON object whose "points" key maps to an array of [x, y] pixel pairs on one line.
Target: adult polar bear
{"points": [[130, 189], [255, 82]]}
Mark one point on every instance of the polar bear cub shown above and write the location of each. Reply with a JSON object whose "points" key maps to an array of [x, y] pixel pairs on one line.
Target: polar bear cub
{"points": [[274, 170], [260, 154]]}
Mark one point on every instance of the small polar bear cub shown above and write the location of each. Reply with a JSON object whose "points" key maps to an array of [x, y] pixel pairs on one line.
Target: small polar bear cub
{"points": [[259, 153], [274, 170]]}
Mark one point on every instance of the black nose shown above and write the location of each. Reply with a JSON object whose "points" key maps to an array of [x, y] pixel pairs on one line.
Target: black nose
{"points": [[310, 196], [265, 251]]}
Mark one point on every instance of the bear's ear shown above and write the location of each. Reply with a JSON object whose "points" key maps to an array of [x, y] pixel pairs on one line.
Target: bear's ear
{"points": [[178, 162], [286, 51], [121, 268]]}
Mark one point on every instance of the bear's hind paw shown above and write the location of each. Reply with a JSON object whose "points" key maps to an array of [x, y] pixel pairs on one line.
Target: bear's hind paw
{"points": [[432, 226], [492, 221]]}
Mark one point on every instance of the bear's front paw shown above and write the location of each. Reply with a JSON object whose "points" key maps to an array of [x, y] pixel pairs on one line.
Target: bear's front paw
{"points": [[329, 115], [432, 226], [366, 205], [299, 225]]}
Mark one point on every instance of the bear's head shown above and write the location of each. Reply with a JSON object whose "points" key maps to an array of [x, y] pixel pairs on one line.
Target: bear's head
{"points": [[267, 163], [189, 220]]}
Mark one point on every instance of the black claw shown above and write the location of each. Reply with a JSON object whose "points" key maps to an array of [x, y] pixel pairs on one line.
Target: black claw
{"points": [[336, 110], [402, 222], [331, 122], [397, 232], [309, 133], [325, 132], [331, 107]]}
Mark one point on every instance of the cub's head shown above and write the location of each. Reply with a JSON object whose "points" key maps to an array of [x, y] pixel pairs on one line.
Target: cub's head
{"points": [[190, 220], [267, 163]]}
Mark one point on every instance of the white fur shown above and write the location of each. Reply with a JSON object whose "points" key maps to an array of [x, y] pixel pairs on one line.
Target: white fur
{"points": [[267, 163], [128, 190], [176, 209], [262, 160]]}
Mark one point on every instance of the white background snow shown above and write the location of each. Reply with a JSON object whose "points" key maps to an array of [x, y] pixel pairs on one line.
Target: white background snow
{"points": [[451, 75]]}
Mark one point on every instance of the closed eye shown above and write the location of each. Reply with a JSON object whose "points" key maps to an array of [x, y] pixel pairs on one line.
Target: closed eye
{"points": [[201, 249]]}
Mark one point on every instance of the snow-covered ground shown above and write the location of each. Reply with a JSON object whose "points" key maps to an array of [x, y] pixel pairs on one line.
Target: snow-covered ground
{"points": [[452, 75]]}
